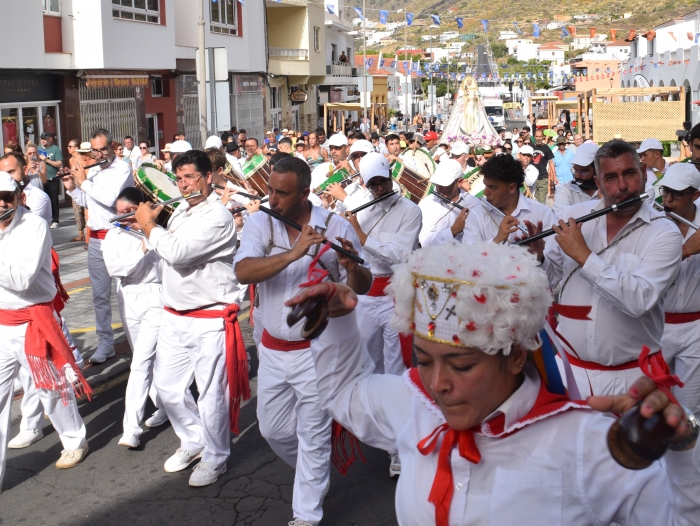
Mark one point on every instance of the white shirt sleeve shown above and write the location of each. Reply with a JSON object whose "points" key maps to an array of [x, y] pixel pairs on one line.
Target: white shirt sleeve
{"points": [[394, 248], [19, 273], [119, 260], [253, 240], [373, 407], [78, 196], [108, 189]]}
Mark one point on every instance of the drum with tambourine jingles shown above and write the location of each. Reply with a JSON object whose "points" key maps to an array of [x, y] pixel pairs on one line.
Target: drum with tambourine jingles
{"points": [[339, 175], [476, 182], [425, 166], [256, 172], [158, 187], [413, 185]]}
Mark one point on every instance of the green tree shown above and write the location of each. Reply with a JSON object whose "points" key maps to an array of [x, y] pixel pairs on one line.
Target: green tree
{"points": [[499, 50]]}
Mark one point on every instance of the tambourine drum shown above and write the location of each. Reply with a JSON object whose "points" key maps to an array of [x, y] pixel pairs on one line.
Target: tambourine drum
{"points": [[337, 176], [256, 172], [158, 187], [413, 185], [425, 166], [476, 181]]}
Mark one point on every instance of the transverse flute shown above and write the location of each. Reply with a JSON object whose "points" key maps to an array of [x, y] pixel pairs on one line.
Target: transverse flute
{"points": [[449, 201], [372, 202], [500, 214], [7, 214], [163, 203], [583, 219], [680, 219], [296, 226]]}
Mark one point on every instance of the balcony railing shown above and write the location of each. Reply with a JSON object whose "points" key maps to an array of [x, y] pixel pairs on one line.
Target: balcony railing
{"points": [[340, 69], [289, 53]]}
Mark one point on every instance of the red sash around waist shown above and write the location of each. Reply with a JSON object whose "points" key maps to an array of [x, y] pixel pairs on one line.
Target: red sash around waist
{"points": [[594, 366], [276, 344], [681, 317], [98, 234], [379, 283], [236, 358], [46, 349]]}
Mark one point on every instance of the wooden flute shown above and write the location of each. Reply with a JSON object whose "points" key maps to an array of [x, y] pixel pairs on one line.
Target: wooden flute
{"points": [[372, 202]]}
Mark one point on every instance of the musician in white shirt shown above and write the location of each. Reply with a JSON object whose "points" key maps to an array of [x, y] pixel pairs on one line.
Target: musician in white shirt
{"points": [[27, 292], [354, 193], [680, 189], [503, 178], [199, 289], [583, 187], [97, 190], [35, 198], [277, 257], [614, 271], [137, 273], [338, 151], [444, 222], [483, 438]]}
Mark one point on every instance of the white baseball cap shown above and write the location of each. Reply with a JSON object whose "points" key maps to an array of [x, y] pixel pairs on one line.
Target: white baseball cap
{"points": [[447, 172], [458, 148], [680, 176], [585, 154], [213, 142], [527, 150], [650, 144], [508, 135], [7, 183], [338, 139], [167, 147], [180, 147], [374, 165], [361, 145]]}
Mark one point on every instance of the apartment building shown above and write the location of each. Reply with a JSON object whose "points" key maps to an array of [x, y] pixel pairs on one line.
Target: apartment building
{"points": [[126, 65]]}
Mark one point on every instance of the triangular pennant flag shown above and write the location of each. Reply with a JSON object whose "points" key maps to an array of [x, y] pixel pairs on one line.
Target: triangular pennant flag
{"points": [[358, 10], [460, 23], [485, 24], [436, 19], [564, 32], [572, 31], [331, 9]]}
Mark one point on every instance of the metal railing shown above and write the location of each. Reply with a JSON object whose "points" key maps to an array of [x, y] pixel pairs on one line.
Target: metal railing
{"points": [[339, 69], [289, 53]]}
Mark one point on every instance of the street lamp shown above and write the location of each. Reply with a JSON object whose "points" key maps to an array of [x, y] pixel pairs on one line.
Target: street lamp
{"points": [[432, 89]]}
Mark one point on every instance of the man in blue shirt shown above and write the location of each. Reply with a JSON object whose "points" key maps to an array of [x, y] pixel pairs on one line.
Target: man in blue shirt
{"points": [[51, 155], [562, 161]]}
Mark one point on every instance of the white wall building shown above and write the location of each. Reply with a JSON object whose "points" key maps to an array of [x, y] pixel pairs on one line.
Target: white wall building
{"points": [[447, 36], [507, 35], [513, 44], [525, 52]]}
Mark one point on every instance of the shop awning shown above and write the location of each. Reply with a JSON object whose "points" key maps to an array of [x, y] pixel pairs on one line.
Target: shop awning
{"points": [[115, 79]]}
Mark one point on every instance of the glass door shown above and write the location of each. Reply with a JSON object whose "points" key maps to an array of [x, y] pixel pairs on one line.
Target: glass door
{"points": [[152, 133], [10, 127]]}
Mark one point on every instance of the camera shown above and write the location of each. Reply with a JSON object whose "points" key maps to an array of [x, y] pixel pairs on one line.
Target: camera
{"points": [[684, 134]]}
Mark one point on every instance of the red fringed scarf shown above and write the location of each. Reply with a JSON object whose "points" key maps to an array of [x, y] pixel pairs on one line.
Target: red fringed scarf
{"points": [[61, 296], [236, 357], [46, 349], [341, 457]]}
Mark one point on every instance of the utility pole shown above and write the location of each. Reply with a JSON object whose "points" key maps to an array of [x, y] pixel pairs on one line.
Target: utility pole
{"points": [[364, 52], [202, 73], [405, 77]]}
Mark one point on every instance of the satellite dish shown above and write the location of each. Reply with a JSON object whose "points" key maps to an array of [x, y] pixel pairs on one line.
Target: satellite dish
{"points": [[642, 82]]}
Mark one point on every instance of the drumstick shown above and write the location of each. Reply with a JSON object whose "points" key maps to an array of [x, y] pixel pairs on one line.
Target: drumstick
{"points": [[371, 203], [296, 226], [489, 206], [163, 203], [583, 219], [679, 218], [449, 201]]}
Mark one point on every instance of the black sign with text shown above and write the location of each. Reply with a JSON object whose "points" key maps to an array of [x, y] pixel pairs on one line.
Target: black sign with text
{"points": [[27, 88]]}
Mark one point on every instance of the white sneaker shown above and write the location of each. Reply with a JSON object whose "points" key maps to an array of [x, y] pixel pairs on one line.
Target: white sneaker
{"points": [[18, 387], [129, 440], [206, 473], [395, 466], [54, 226], [158, 418], [299, 522], [25, 439], [182, 459], [102, 354]]}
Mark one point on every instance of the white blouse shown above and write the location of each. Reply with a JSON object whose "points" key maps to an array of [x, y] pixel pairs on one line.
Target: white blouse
{"points": [[553, 471]]}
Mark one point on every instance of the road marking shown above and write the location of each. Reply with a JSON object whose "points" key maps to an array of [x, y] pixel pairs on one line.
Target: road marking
{"points": [[75, 291], [93, 329]]}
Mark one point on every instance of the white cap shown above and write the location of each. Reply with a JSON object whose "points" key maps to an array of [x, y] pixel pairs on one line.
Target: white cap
{"points": [[361, 145], [419, 138], [338, 139], [374, 165], [458, 148], [167, 147], [85, 147], [447, 172], [7, 183], [650, 144], [508, 135], [585, 154], [180, 147], [527, 150], [285, 130], [213, 142], [680, 176]]}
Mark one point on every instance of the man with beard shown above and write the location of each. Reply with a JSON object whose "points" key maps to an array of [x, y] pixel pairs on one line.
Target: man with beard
{"points": [[277, 257], [338, 148], [583, 187]]}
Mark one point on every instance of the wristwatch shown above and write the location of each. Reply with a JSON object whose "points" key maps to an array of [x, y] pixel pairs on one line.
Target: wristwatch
{"points": [[694, 432]]}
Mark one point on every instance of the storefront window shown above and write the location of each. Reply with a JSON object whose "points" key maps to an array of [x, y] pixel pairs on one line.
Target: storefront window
{"points": [[30, 126], [48, 121], [10, 117], [27, 122]]}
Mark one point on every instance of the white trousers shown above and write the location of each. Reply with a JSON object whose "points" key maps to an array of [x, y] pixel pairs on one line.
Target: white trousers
{"points": [[65, 418], [681, 349], [294, 424], [101, 293], [382, 342], [31, 407], [141, 308], [193, 348]]}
